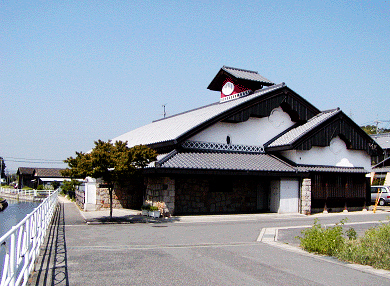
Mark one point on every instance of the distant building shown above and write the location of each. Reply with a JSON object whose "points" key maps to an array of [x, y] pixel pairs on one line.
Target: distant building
{"points": [[381, 164], [383, 140], [32, 177]]}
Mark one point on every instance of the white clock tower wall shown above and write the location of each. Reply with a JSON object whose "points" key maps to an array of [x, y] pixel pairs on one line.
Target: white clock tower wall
{"points": [[254, 131]]}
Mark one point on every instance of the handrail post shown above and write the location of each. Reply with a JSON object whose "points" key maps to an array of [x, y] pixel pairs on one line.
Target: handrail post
{"points": [[12, 260]]}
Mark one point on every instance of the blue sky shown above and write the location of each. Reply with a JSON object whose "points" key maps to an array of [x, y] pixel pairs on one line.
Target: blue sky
{"points": [[72, 72]]}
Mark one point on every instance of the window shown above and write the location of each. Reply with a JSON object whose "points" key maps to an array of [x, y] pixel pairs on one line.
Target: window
{"points": [[228, 140]]}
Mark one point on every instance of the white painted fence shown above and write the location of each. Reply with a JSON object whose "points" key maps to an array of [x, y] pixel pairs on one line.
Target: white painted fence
{"points": [[34, 193], [22, 243]]}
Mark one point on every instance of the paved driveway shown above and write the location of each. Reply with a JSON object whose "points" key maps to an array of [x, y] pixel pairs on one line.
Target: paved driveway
{"points": [[208, 251]]}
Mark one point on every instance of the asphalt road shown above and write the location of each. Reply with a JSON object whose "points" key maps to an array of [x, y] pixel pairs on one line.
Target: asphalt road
{"points": [[211, 252]]}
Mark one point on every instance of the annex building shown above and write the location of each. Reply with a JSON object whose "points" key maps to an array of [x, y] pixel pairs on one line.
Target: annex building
{"points": [[260, 147]]}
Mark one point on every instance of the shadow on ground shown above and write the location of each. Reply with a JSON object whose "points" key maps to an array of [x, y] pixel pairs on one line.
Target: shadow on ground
{"points": [[52, 267], [130, 219]]}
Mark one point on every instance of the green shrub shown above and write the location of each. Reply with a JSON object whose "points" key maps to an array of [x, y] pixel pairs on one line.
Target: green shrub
{"points": [[27, 188], [351, 233], [153, 208], [7, 187], [372, 249], [145, 207], [327, 241], [40, 187]]}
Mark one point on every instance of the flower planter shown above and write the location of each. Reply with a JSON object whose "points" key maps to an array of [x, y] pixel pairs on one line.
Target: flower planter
{"points": [[145, 212], [155, 214]]}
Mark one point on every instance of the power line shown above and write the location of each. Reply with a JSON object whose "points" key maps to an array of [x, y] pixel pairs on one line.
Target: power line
{"points": [[34, 161], [31, 159]]}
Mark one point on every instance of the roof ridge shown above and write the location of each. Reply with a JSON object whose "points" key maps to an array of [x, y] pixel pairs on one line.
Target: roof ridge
{"points": [[167, 157], [238, 69], [275, 86], [330, 110], [184, 112], [345, 167]]}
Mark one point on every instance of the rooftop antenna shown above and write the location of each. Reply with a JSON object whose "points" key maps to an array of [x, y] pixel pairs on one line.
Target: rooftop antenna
{"points": [[164, 113]]}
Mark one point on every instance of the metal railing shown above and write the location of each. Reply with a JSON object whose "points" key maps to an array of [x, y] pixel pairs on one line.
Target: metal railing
{"points": [[34, 193], [22, 243]]}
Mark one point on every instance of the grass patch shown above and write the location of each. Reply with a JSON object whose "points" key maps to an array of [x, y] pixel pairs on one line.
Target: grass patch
{"points": [[372, 249]]}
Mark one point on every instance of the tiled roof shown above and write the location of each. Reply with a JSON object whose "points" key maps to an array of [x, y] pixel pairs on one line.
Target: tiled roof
{"points": [[382, 139], [48, 172], [224, 161], [381, 169], [246, 74], [204, 160], [384, 163], [171, 128], [332, 169], [295, 133], [26, 171]]}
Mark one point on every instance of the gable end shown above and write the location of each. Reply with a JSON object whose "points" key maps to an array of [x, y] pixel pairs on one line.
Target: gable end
{"points": [[339, 125], [293, 104]]}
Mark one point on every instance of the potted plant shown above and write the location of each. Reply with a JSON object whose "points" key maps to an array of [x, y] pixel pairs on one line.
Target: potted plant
{"points": [[145, 209], [154, 211]]}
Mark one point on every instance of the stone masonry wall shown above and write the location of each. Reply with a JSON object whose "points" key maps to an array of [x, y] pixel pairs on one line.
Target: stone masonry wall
{"points": [[161, 189], [129, 195], [306, 196], [193, 196]]}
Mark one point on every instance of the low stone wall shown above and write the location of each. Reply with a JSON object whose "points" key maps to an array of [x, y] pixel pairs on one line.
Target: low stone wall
{"points": [[129, 195], [161, 189]]}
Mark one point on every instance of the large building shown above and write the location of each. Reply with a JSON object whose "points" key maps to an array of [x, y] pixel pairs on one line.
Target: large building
{"points": [[261, 147]]}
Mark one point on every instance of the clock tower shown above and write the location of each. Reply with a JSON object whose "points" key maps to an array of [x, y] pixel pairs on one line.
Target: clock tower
{"points": [[234, 83]]}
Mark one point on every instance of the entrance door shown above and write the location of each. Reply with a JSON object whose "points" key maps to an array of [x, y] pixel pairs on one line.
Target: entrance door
{"points": [[262, 196], [289, 190], [275, 196]]}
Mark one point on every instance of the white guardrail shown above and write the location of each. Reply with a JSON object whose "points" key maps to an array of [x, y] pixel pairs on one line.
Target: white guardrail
{"points": [[34, 193], [23, 242]]}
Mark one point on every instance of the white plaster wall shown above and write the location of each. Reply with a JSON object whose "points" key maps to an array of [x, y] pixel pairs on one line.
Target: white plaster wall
{"points": [[336, 154], [254, 131], [90, 191], [387, 179], [289, 196]]}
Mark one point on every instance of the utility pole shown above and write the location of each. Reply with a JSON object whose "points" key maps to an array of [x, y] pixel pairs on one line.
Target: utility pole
{"points": [[164, 113]]}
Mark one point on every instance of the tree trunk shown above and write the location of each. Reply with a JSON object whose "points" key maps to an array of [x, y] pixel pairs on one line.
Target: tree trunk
{"points": [[110, 193]]}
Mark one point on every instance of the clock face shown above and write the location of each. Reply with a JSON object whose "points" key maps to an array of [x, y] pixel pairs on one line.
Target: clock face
{"points": [[228, 88]]}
